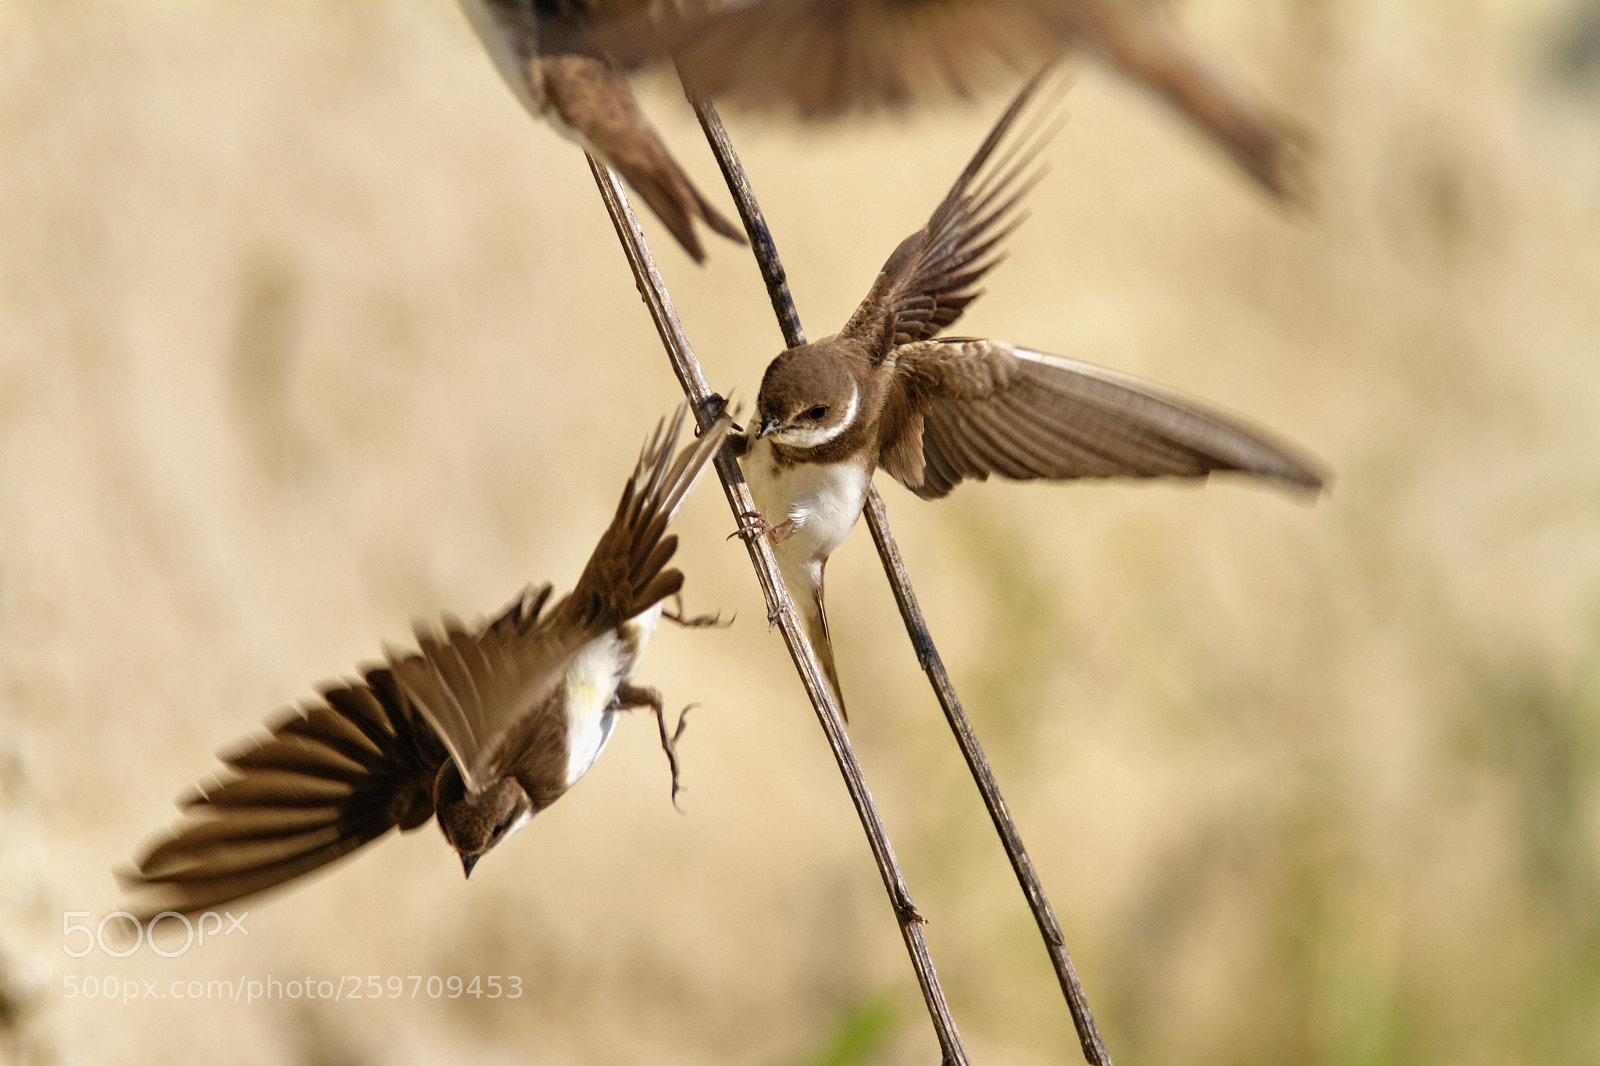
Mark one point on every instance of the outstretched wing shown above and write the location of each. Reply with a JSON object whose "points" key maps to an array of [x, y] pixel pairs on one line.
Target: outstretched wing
{"points": [[334, 775], [824, 58], [934, 273], [971, 408], [626, 574]]}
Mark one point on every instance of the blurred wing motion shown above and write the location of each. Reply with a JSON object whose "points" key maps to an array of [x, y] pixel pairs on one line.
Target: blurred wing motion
{"points": [[824, 58], [987, 407]]}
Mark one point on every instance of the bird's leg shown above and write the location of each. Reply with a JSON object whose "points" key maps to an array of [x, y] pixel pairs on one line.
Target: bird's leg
{"points": [[630, 697], [699, 621]]}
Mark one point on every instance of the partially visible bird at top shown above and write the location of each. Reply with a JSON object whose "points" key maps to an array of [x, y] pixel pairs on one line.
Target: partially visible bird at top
{"points": [[543, 50], [826, 58]]}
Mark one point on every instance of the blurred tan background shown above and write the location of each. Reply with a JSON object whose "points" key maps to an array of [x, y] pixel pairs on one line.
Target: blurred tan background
{"points": [[306, 330]]}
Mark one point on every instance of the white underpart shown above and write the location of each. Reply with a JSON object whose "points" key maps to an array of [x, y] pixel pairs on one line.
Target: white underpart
{"points": [[591, 684], [823, 500]]}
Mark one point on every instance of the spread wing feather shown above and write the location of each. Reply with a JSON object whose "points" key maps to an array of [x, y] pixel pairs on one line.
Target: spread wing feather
{"points": [[933, 275], [329, 778], [972, 408]]}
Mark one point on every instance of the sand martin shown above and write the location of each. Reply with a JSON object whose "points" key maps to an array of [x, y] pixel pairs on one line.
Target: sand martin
{"points": [[543, 50], [932, 411], [481, 726]]}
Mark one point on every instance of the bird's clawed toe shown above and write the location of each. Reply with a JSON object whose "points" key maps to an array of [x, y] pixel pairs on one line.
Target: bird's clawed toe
{"points": [[678, 616], [669, 744]]}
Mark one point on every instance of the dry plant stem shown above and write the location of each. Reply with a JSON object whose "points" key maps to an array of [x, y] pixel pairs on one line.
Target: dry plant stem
{"points": [[772, 273], [1094, 1050], [780, 609], [755, 224]]}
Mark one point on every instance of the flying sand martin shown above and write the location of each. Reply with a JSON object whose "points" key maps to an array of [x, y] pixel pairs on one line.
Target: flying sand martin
{"points": [[887, 391], [542, 48], [483, 726], [824, 58]]}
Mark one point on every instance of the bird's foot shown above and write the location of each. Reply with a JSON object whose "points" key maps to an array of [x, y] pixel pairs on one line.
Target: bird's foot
{"points": [[753, 524], [630, 697], [670, 745], [699, 621], [907, 912], [714, 407]]}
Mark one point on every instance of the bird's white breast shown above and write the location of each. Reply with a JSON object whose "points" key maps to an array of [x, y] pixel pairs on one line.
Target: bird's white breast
{"points": [[591, 685], [823, 500]]}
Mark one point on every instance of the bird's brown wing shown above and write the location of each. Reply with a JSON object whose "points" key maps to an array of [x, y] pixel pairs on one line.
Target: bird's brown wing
{"points": [[488, 692], [825, 58], [934, 274], [626, 574], [334, 775], [522, 614], [971, 408]]}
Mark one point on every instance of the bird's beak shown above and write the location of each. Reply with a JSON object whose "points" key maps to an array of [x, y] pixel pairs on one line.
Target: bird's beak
{"points": [[767, 426], [468, 862]]}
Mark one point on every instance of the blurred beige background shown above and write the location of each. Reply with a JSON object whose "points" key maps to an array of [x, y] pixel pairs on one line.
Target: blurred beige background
{"points": [[306, 330]]}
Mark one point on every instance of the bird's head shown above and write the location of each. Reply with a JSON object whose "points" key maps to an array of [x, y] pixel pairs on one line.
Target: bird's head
{"points": [[808, 397], [474, 822]]}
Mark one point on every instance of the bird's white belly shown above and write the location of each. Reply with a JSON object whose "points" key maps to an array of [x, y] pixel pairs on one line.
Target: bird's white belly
{"points": [[822, 500], [592, 681]]}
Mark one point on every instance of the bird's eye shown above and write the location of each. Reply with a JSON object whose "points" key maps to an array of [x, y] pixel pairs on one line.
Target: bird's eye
{"points": [[817, 413]]}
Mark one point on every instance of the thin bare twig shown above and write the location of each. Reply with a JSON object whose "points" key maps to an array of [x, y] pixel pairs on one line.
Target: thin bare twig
{"points": [[781, 610], [766, 253]]}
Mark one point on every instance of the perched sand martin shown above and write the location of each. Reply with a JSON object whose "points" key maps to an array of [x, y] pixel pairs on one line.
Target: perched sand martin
{"points": [[541, 49], [886, 391], [483, 726], [823, 58]]}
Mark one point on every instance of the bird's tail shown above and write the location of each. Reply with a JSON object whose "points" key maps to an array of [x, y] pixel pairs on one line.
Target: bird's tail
{"points": [[815, 618], [652, 172], [1148, 47], [596, 102]]}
